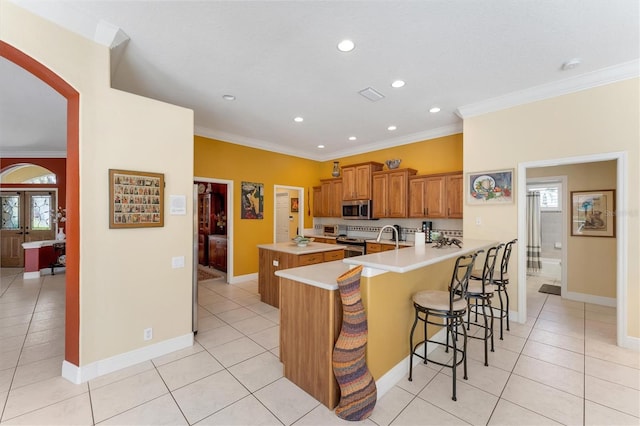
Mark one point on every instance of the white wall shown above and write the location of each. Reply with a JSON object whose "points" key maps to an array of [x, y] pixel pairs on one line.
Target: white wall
{"points": [[600, 120], [126, 280]]}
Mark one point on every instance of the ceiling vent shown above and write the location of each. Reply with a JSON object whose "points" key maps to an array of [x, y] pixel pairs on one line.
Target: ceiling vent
{"points": [[372, 94]]}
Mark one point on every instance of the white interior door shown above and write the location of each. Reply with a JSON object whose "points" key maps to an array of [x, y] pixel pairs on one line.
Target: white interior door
{"points": [[282, 217]]}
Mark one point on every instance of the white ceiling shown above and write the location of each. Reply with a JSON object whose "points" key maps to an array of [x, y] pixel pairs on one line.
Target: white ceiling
{"points": [[279, 59]]}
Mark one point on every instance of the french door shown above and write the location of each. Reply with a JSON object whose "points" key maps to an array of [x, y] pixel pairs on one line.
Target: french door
{"points": [[26, 216]]}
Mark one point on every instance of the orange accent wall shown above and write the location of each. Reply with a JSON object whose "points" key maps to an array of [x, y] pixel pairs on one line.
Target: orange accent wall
{"points": [[71, 194], [56, 165]]}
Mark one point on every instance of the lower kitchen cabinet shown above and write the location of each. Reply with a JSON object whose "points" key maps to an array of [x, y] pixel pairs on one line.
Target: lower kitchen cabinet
{"points": [[379, 247], [271, 261]]}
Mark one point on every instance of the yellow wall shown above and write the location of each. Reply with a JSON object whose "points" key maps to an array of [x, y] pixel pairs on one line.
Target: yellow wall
{"points": [[604, 119], [223, 160], [126, 280], [591, 262], [437, 155]]}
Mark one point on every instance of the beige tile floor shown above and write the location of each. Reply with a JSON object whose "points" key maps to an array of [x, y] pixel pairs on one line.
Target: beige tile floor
{"points": [[561, 367]]}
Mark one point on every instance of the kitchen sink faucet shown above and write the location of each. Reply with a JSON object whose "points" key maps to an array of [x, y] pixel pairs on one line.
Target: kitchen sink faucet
{"points": [[395, 233]]}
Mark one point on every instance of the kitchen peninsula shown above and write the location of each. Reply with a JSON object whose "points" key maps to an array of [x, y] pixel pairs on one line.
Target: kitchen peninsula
{"points": [[311, 312], [274, 257]]}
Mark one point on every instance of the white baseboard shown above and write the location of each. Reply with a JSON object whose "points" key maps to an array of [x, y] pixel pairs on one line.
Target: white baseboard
{"points": [[31, 275], [85, 373], [630, 342], [243, 278], [401, 369], [589, 298]]}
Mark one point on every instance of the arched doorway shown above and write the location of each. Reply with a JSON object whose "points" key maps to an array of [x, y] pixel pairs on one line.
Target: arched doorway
{"points": [[72, 198]]}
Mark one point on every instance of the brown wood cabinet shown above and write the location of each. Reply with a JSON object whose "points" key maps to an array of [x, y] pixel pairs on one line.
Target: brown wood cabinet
{"points": [[218, 252], [310, 323], [331, 198], [356, 180], [436, 196], [317, 201], [379, 247], [391, 192], [271, 261]]}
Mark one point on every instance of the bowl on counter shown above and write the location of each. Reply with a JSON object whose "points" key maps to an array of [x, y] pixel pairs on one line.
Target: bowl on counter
{"points": [[301, 241]]}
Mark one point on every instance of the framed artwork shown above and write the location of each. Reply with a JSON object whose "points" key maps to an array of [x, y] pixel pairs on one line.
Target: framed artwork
{"points": [[294, 205], [494, 187], [252, 200], [593, 213], [136, 199]]}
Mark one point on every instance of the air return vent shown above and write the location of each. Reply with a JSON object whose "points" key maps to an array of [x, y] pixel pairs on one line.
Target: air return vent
{"points": [[372, 94]]}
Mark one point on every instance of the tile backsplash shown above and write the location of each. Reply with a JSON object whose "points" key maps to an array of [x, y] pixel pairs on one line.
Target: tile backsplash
{"points": [[367, 229]]}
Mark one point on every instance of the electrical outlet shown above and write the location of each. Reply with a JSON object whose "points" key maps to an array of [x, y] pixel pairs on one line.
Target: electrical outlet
{"points": [[177, 262], [276, 263], [478, 220], [148, 333]]}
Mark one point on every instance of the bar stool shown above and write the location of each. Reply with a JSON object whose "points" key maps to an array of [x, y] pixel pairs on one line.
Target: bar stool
{"points": [[480, 293], [449, 307], [500, 280]]}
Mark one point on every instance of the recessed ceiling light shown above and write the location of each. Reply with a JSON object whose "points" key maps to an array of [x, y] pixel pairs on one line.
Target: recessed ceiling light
{"points": [[397, 84], [434, 110], [352, 138], [570, 64], [298, 119], [346, 46], [228, 97], [320, 146], [392, 128]]}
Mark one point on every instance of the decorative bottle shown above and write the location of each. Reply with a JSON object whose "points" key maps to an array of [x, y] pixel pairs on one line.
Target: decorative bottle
{"points": [[60, 235], [336, 169]]}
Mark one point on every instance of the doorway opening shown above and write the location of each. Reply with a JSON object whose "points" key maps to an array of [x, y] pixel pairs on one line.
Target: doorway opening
{"points": [[214, 219], [621, 229], [27, 215], [288, 213]]}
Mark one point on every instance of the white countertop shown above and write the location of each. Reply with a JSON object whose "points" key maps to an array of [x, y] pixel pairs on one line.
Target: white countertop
{"points": [[38, 244], [321, 275], [407, 259], [411, 258], [292, 248]]}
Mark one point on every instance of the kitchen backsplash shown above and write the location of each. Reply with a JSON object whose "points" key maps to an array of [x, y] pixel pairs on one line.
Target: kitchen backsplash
{"points": [[366, 229]]}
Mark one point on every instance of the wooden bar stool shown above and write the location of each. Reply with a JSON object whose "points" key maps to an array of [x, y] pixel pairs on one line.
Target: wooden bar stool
{"points": [[449, 307]]}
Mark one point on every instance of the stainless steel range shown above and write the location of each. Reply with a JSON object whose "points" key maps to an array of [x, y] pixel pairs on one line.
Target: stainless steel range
{"points": [[352, 246]]}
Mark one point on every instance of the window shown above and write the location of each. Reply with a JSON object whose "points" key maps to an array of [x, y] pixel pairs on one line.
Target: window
{"points": [[27, 173], [550, 195]]}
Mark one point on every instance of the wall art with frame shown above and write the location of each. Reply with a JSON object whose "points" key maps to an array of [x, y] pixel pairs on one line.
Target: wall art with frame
{"points": [[593, 213], [492, 187], [136, 199], [252, 200]]}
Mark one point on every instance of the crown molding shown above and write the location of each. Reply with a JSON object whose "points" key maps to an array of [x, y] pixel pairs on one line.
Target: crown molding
{"points": [[33, 154], [586, 81], [387, 143]]}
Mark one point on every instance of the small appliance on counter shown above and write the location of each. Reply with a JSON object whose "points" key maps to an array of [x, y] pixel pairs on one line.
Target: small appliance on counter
{"points": [[427, 226], [399, 230], [334, 230]]}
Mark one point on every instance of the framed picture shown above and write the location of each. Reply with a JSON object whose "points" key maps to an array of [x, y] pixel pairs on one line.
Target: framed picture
{"points": [[136, 199], [494, 187], [294, 205], [252, 200], [593, 213]]}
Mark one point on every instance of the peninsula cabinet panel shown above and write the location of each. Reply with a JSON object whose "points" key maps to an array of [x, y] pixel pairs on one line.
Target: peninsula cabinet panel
{"points": [[357, 181], [315, 314]]}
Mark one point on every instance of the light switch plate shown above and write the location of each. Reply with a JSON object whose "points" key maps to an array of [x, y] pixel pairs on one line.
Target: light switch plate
{"points": [[177, 262]]}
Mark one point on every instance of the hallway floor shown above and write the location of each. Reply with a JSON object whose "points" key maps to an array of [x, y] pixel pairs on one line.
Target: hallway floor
{"points": [[561, 367]]}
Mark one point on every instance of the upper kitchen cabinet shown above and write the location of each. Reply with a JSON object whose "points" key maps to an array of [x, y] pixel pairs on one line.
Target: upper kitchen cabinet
{"points": [[356, 180], [317, 201], [391, 192], [436, 196], [331, 197]]}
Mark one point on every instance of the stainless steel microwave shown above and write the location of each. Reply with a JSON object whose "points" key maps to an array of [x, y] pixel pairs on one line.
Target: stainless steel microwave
{"points": [[357, 209]]}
